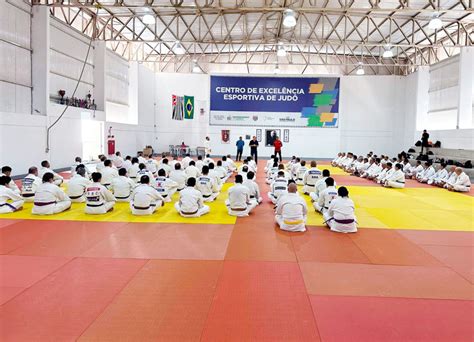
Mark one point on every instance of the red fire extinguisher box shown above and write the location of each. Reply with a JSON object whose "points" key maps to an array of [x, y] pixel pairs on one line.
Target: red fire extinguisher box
{"points": [[111, 146]]}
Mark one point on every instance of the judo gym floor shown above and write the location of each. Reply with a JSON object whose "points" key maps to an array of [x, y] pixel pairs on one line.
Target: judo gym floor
{"points": [[407, 275]]}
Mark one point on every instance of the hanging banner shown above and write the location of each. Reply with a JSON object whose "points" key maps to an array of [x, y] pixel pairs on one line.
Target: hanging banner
{"points": [[178, 108], [225, 136], [189, 107], [274, 101]]}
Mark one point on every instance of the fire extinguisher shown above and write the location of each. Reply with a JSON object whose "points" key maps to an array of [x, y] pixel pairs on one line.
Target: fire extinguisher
{"points": [[110, 142]]}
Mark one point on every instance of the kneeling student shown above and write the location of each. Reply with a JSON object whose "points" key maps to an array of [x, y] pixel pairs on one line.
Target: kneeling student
{"points": [[191, 203], [30, 183], [239, 203], [99, 199], [49, 198], [122, 186], [396, 179], [340, 216], [10, 201], [76, 187], [278, 187], [253, 188], [145, 199], [207, 185], [326, 196], [291, 211], [165, 186]]}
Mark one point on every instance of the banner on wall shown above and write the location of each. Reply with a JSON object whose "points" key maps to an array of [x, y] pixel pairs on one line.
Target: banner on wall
{"points": [[274, 101], [189, 107], [225, 136], [178, 107]]}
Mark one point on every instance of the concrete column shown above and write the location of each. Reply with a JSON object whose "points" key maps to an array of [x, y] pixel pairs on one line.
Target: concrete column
{"points": [[40, 43], [99, 74], [466, 83], [422, 97]]}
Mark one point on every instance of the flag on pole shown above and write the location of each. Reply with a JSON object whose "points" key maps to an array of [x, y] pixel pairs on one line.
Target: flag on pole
{"points": [[178, 108], [189, 107]]}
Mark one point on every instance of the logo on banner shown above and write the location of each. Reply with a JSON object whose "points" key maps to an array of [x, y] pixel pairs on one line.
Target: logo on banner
{"points": [[189, 107], [225, 136], [255, 118]]}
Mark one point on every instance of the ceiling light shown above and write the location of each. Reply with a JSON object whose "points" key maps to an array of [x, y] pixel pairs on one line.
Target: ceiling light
{"points": [[289, 18], [281, 51], [360, 70], [277, 70], [435, 23], [196, 68], [148, 19], [388, 53], [179, 49]]}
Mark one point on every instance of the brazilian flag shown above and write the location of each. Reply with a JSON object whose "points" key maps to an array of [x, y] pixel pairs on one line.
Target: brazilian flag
{"points": [[189, 107]]}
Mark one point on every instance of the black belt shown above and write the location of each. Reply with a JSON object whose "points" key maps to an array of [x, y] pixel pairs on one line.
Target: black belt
{"points": [[206, 196], [76, 197], [106, 185], [193, 213], [42, 204], [94, 205], [180, 189], [28, 195], [348, 221], [122, 197], [8, 205], [252, 196], [143, 208]]}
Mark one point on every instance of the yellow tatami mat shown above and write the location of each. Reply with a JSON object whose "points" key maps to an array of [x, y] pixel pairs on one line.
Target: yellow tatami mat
{"points": [[416, 208], [121, 213]]}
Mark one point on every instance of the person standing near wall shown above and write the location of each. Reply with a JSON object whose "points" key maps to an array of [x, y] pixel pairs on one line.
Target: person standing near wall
{"points": [[424, 140], [277, 144], [240, 148], [207, 146], [253, 148]]}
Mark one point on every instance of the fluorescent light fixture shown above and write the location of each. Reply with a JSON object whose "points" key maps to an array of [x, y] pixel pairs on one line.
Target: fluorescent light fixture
{"points": [[281, 51], [435, 23], [149, 19], [179, 49], [277, 70], [196, 68], [360, 71], [388, 53], [289, 18]]}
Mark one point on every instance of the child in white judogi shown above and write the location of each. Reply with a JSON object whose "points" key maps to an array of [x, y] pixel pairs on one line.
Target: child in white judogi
{"points": [[165, 186], [127, 163], [340, 217], [396, 179], [208, 160], [278, 187], [30, 184], [7, 171], [450, 177], [415, 170], [191, 202], [213, 173], [238, 202], [185, 162], [271, 173], [229, 164], [462, 182], [108, 173], [427, 173], [192, 171], [49, 198], [320, 186], [76, 187], [45, 168], [118, 160], [294, 168], [291, 211], [122, 186], [207, 185], [335, 161], [222, 171], [165, 166], [10, 201], [145, 199], [143, 171], [439, 175], [199, 163], [178, 176], [300, 172], [151, 165], [310, 178], [326, 196], [133, 170], [99, 199], [253, 187], [269, 163]]}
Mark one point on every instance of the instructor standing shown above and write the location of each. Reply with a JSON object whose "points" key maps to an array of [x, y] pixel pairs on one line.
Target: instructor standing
{"points": [[240, 148], [278, 145], [253, 148]]}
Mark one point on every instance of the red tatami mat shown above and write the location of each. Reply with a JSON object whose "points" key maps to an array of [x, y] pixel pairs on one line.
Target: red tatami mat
{"points": [[260, 301], [440, 238], [367, 319], [61, 306], [168, 300], [385, 281], [21, 233]]}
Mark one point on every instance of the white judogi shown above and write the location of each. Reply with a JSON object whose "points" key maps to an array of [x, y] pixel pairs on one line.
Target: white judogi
{"points": [[310, 178], [462, 183], [271, 174], [268, 165], [133, 172], [253, 165], [145, 200], [451, 179], [199, 165], [238, 202], [144, 172], [222, 172], [294, 168], [191, 203], [209, 160], [76, 188], [127, 164], [75, 165], [415, 170], [192, 171], [340, 216], [99, 199], [214, 174], [208, 188], [318, 188], [118, 162], [165, 167], [108, 174], [99, 166], [185, 162], [438, 176], [254, 190], [426, 174], [58, 180], [388, 173], [152, 166], [10, 201], [166, 187], [141, 160], [374, 170], [325, 198], [291, 213], [179, 177], [122, 187], [50, 199], [300, 173], [396, 180], [278, 188], [229, 165], [29, 185]]}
